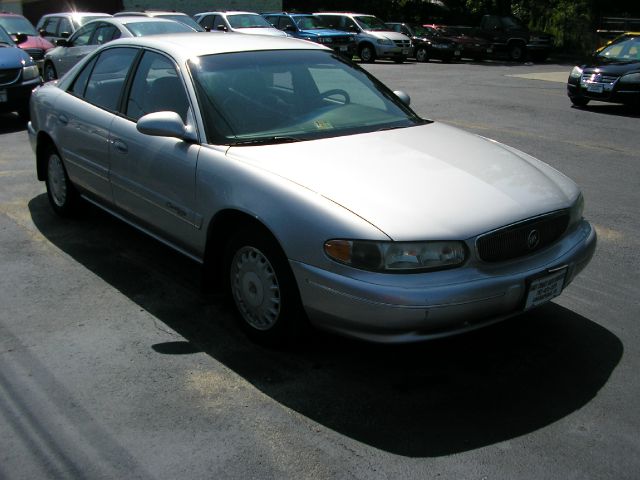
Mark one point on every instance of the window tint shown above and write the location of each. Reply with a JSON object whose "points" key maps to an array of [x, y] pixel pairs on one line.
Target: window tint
{"points": [[82, 36], [107, 79], [105, 33], [156, 87], [51, 26], [207, 22], [80, 83], [286, 22]]}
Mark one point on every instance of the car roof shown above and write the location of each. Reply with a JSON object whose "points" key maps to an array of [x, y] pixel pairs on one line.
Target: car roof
{"points": [[183, 46], [76, 14], [130, 19], [147, 13], [228, 12]]}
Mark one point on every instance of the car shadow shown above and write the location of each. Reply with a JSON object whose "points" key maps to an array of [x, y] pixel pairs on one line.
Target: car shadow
{"points": [[423, 400], [616, 109], [11, 123]]}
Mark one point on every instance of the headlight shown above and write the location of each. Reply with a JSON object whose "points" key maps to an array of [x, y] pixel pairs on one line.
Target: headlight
{"points": [[576, 72], [30, 72], [384, 41], [631, 78], [576, 210], [397, 256]]}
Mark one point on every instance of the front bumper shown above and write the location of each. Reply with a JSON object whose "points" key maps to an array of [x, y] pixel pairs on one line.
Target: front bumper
{"points": [[392, 51], [616, 93], [16, 96], [407, 308]]}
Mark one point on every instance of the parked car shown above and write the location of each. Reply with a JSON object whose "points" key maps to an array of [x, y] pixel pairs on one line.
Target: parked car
{"points": [[166, 14], [18, 75], [509, 35], [238, 22], [375, 39], [427, 43], [310, 27], [56, 26], [307, 188], [612, 74], [471, 45], [97, 32], [34, 45]]}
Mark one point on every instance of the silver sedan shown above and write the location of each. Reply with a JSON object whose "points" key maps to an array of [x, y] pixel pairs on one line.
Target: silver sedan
{"points": [[311, 192], [89, 37]]}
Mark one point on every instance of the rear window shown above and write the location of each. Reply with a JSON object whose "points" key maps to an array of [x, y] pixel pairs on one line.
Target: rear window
{"points": [[141, 29]]}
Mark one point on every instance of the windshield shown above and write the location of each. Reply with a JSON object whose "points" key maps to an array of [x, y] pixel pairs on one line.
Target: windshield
{"points": [[185, 19], [15, 24], [309, 22], [368, 22], [5, 38], [291, 95], [248, 20], [141, 29], [425, 31], [625, 50]]}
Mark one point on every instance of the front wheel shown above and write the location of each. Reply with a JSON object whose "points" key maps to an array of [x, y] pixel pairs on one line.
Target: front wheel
{"points": [[422, 55], [263, 289], [63, 196], [579, 101], [516, 52], [367, 54]]}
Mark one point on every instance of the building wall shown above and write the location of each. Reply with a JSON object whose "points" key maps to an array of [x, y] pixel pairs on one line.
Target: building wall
{"points": [[194, 6]]}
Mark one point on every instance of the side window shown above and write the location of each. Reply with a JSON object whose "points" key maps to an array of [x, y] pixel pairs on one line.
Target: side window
{"points": [[349, 25], [406, 31], [82, 36], [156, 87], [207, 22], [65, 27], [51, 26], [107, 78], [80, 83], [104, 33], [217, 21], [286, 22], [272, 20]]}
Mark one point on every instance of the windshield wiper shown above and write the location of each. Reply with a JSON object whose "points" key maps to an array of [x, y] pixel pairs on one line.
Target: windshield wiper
{"points": [[266, 141]]}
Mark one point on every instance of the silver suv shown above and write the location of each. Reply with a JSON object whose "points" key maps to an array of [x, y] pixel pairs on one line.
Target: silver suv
{"points": [[375, 39], [56, 26]]}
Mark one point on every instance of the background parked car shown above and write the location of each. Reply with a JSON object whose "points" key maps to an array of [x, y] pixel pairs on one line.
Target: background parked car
{"points": [[19, 75], [56, 26], [311, 27], [168, 15], [612, 74], [375, 39], [427, 43], [34, 45], [97, 32], [471, 45], [238, 22]]}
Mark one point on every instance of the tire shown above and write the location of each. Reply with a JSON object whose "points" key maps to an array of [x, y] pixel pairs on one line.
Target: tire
{"points": [[63, 197], [254, 267], [579, 101], [516, 52], [49, 72], [422, 55], [367, 53]]}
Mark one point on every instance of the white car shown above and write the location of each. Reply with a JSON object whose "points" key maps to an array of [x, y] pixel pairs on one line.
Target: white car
{"points": [[238, 22], [308, 189]]}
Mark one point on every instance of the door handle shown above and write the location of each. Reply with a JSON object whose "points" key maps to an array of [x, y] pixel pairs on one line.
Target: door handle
{"points": [[120, 146], [63, 119]]}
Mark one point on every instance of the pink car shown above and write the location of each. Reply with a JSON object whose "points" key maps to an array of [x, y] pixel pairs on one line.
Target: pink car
{"points": [[35, 45]]}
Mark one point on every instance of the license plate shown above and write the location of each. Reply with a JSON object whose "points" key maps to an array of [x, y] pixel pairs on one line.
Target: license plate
{"points": [[457, 53], [595, 87], [3, 96], [343, 49], [489, 50], [543, 289], [405, 51]]}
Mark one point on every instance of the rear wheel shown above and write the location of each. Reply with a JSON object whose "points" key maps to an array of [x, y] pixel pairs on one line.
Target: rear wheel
{"points": [[422, 55], [263, 288], [63, 196], [516, 51]]}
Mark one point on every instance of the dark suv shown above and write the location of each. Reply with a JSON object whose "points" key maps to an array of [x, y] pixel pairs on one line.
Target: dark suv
{"points": [[508, 34], [311, 27], [427, 42]]}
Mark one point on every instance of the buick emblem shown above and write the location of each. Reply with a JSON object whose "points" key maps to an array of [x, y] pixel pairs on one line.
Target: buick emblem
{"points": [[533, 239]]}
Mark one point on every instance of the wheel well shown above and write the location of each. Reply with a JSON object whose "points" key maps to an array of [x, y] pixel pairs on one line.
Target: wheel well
{"points": [[221, 228], [366, 44], [44, 143]]}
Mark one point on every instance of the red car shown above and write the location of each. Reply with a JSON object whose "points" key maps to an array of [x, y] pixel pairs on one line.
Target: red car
{"points": [[472, 46], [35, 45]]}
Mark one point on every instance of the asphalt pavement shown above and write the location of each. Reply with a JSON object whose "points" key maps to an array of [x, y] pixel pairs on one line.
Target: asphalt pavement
{"points": [[114, 363]]}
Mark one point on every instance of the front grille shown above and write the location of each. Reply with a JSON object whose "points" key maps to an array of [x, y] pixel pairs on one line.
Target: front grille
{"points": [[9, 76], [597, 78], [35, 53], [402, 43], [519, 240]]}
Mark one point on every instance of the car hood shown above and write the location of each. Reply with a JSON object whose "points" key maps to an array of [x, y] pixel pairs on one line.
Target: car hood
{"points": [[325, 32], [425, 182], [611, 67], [12, 57], [387, 34], [37, 42], [274, 32]]}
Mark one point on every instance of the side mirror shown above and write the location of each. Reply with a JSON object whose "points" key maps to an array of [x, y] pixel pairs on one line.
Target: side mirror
{"points": [[166, 124], [404, 98], [222, 28], [207, 29], [20, 38], [42, 32], [63, 42]]}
